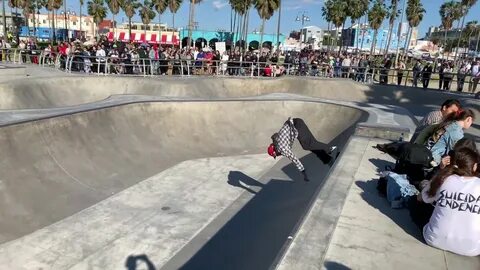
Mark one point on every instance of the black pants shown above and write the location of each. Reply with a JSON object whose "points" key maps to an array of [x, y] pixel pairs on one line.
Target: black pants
{"points": [[420, 212], [399, 78], [426, 81], [440, 81], [308, 141]]}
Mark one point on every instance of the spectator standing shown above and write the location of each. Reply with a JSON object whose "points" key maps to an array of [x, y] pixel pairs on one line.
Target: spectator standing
{"points": [[427, 74], [461, 74], [417, 71], [400, 68], [447, 76]]}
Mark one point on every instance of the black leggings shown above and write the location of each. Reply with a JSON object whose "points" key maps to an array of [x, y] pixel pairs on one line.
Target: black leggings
{"points": [[308, 141], [420, 212]]}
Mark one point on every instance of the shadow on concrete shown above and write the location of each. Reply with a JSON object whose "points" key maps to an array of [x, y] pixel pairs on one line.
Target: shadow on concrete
{"points": [[381, 164], [400, 216], [239, 179], [132, 262], [329, 265], [253, 238]]}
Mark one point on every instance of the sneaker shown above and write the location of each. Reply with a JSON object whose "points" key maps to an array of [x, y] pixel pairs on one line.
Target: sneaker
{"points": [[333, 148]]}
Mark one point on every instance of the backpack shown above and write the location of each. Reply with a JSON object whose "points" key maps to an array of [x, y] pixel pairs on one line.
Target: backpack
{"points": [[413, 161]]}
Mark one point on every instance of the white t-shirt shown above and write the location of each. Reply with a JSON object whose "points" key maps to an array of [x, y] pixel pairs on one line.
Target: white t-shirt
{"points": [[455, 222]]}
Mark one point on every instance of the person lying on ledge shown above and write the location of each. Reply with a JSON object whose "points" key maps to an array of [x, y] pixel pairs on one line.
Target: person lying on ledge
{"points": [[295, 128]]}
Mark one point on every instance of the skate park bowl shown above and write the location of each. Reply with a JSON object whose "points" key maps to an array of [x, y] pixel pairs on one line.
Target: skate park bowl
{"points": [[54, 168]]}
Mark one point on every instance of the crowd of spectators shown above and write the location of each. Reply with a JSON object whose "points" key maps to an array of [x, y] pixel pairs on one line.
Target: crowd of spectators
{"points": [[152, 59]]}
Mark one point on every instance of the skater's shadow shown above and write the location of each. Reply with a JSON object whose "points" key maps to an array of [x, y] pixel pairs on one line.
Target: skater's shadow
{"points": [[131, 262], [239, 179]]}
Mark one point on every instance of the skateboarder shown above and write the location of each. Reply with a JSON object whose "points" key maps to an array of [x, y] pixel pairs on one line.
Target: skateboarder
{"points": [[295, 128]]}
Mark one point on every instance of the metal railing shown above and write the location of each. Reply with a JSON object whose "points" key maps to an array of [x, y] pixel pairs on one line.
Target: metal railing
{"points": [[104, 66]]}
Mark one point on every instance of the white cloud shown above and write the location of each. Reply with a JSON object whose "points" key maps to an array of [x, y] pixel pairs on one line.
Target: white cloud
{"points": [[217, 4]]}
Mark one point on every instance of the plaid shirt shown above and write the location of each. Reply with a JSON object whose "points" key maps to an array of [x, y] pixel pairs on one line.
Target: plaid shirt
{"points": [[283, 141], [432, 118]]}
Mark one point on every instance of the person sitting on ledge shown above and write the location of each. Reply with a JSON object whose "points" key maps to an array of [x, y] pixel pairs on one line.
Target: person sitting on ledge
{"points": [[448, 133], [455, 223], [295, 128]]}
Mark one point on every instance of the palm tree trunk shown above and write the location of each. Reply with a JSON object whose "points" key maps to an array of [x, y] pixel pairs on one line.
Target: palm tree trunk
{"points": [[232, 34], [246, 29], [34, 22], [390, 31], [458, 41], [173, 20], [407, 39], [278, 24], [261, 35], [190, 23], [478, 41], [4, 20], [114, 28], [237, 35], [372, 50], [341, 41], [54, 18], [445, 45], [363, 33], [159, 30], [81, 33], [129, 28]]}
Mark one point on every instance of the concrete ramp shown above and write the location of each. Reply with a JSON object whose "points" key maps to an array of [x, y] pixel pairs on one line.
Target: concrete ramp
{"points": [[54, 168]]}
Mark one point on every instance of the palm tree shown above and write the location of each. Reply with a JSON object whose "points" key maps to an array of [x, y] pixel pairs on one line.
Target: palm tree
{"points": [[465, 6], [336, 13], [355, 10], [447, 14], [392, 14], [470, 29], [415, 12], [27, 7], [114, 6], [16, 4], [265, 9], [81, 9], [242, 9], [160, 7], [130, 7], [376, 16], [147, 14], [97, 9], [191, 19], [53, 6], [174, 5]]}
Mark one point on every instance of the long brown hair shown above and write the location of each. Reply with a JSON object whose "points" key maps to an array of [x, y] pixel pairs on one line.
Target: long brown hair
{"points": [[462, 164], [458, 116]]}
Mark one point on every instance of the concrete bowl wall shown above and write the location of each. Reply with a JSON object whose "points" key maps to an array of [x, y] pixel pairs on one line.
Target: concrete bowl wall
{"points": [[56, 167]]}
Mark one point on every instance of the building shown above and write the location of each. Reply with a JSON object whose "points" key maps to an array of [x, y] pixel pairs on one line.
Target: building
{"points": [[154, 33], [361, 36], [70, 23], [312, 35]]}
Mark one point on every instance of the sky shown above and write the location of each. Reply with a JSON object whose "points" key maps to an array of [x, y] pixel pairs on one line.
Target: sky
{"points": [[215, 14]]}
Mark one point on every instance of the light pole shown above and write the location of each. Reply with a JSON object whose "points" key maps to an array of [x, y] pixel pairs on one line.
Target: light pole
{"points": [[304, 18]]}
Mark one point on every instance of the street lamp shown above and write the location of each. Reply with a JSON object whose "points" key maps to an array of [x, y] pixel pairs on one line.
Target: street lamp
{"points": [[304, 18]]}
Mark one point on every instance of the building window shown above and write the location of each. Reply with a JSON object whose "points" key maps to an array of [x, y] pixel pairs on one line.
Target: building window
{"points": [[74, 23], [44, 21], [86, 23]]}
